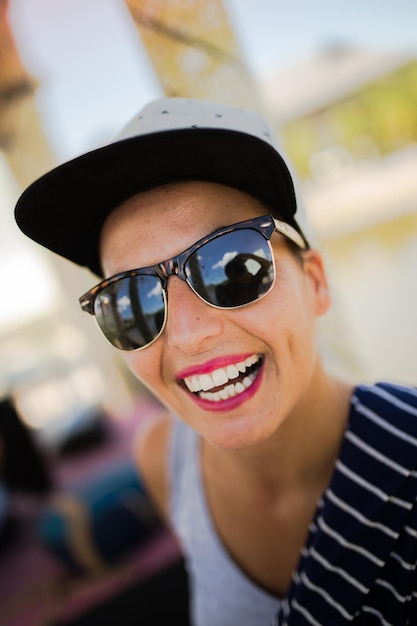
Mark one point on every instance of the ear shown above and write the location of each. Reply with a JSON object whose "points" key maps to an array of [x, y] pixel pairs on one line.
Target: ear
{"points": [[314, 271]]}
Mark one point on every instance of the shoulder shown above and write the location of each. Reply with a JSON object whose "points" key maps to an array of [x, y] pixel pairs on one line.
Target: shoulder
{"points": [[151, 454], [386, 415], [388, 399]]}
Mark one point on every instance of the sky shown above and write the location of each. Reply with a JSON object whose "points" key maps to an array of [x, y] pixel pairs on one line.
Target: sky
{"points": [[75, 49]]}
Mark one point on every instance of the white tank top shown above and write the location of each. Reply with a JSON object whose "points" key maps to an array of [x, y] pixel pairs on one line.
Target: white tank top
{"points": [[221, 594]]}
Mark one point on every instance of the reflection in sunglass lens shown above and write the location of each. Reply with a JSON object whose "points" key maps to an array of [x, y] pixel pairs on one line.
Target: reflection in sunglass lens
{"points": [[230, 269], [131, 311], [233, 269]]}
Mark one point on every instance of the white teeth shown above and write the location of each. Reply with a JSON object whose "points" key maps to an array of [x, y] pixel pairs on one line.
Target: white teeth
{"points": [[203, 382], [220, 377], [251, 360], [191, 383], [248, 381], [232, 371], [230, 391], [206, 382]]}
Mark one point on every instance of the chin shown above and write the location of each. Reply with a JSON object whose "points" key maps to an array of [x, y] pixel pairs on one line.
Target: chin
{"points": [[234, 434]]}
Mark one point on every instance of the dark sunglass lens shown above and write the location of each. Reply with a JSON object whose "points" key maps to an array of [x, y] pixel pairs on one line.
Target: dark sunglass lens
{"points": [[233, 269], [131, 311]]}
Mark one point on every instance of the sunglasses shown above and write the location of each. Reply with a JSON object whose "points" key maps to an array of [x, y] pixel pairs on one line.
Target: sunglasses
{"points": [[231, 267]]}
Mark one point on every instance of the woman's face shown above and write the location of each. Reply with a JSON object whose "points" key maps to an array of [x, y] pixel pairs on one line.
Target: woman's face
{"points": [[269, 344]]}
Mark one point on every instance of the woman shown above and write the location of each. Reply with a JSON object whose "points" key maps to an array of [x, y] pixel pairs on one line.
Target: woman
{"points": [[293, 495]]}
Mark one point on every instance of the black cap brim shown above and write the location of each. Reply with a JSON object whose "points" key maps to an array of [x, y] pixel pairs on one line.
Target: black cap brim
{"points": [[64, 210]]}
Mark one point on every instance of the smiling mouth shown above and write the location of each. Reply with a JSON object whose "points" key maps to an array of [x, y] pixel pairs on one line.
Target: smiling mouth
{"points": [[225, 382]]}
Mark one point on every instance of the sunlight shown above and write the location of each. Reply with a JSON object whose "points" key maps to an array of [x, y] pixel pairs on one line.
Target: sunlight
{"points": [[28, 283]]}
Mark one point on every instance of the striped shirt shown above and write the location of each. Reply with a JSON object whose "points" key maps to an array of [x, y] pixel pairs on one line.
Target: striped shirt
{"points": [[359, 563]]}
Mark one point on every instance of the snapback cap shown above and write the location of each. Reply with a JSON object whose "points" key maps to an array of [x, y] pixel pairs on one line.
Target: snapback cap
{"points": [[171, 139]]}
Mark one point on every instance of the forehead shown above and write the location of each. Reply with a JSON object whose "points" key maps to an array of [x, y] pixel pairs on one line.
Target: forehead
{"points": [[161, 222], [200, 200]]}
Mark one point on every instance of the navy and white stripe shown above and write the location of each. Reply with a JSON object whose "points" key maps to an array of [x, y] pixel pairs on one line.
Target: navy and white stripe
{"points": [[359, 563]]}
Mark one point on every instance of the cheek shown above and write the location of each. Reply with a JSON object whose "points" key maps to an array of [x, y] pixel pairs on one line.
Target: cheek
{"points": [[291, 312], [144, 366]]}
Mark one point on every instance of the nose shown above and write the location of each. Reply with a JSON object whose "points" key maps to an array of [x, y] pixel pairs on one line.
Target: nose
{"points": [[191, 322]]}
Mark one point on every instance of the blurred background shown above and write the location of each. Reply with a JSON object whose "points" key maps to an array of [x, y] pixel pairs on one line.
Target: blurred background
{"points": [[338, 81]]}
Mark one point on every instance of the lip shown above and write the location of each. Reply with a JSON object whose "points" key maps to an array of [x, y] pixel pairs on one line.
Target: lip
{"points": [[230, 403], [213, 364]]}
